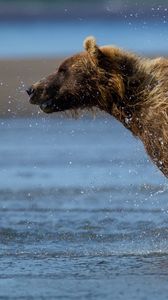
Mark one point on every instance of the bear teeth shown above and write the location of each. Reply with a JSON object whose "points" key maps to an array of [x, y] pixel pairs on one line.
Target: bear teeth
{"points": [[46, 104]]}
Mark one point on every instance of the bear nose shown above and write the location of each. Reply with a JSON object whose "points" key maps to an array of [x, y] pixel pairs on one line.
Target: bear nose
{"points": [[30, 91]]}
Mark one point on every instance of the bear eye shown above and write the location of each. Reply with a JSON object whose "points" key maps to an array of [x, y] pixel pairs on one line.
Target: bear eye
{"points": [[62, 70]]}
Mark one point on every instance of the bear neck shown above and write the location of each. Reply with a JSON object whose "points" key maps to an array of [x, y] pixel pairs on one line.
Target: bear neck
{"points": [[136, 82]]}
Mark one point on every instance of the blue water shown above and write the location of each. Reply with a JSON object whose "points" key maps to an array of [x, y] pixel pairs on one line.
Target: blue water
{"points": [[83, 212], [45, 39]]}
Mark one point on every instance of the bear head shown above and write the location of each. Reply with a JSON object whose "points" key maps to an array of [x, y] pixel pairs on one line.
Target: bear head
{"points": [[84, 80]]}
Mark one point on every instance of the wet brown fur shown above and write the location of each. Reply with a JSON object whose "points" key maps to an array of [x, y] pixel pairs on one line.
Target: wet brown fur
{"points": [[132, 89]]}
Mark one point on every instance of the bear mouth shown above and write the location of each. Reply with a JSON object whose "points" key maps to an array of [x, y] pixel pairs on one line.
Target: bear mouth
{"points": [[49, 106]]}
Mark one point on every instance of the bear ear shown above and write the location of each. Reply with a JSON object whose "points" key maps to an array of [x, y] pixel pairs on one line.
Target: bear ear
{"points": [[91, 47], [90, 44]]}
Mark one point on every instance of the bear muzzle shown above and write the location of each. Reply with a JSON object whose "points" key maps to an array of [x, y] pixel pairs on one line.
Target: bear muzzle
{"points": [[30, 91]]}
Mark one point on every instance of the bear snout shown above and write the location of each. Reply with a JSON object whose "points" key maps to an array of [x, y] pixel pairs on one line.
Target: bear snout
{"points": [[30, 91], [33, 99]]}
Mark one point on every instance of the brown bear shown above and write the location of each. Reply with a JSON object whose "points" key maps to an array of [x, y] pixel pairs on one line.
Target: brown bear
{"points": [[132, 89]]}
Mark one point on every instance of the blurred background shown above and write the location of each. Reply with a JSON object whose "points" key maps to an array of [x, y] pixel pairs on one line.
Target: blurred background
{"points": [[83, 211]]}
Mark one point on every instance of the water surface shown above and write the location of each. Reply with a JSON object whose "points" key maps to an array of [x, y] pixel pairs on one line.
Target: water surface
{"points": [[60, 38], [83, 212]]}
